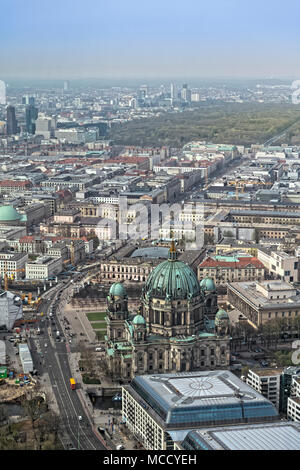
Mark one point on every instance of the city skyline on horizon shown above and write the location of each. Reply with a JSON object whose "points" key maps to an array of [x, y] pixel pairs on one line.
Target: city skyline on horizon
{"points": [[69, 41]]}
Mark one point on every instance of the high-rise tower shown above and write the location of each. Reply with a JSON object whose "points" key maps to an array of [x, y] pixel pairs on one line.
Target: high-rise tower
{"points": [[2, 92], [11, 122]]}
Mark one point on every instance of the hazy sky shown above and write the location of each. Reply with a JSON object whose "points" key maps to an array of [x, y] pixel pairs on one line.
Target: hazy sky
{"points": [[155, 38]]}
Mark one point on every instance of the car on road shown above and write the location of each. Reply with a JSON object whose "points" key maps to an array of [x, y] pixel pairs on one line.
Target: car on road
{"points": [[45, 345]]}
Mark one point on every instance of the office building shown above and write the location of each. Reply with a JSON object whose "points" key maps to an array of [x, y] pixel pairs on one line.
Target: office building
{"points": [[72, 135], [13, 265], [185, 94], [28, 100], [11, 122], [2, 93], [270, 436], [31, 117], [267, 382], [265, 300], [293, 401], [45, 267], [223, 269], [280, 264], [287, 387], [44, 126], [162, 409]]}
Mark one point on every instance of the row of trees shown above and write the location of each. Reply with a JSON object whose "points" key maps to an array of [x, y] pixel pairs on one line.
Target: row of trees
{"points": [[270, 334]]}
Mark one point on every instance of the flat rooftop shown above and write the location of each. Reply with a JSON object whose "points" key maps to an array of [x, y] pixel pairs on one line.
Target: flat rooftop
{"points": [[151, 252], [187, 398], [267, 372], [247, 289], [271, 436]]}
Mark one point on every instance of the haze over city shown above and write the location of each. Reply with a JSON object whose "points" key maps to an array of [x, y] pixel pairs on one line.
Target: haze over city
{"points": [[75, 39], [149, 228]]}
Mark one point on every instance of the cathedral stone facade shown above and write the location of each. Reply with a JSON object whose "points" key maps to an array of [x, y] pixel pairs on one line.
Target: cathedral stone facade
{"points": [[178, 327]]}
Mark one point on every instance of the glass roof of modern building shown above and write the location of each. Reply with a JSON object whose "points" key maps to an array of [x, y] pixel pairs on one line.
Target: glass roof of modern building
{"points": [[188, 398], [152, 252], [267, 436]]}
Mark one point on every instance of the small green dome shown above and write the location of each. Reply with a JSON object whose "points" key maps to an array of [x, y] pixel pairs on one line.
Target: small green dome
{"points": [[117, 289], [8, 213], [222, 315], [207, 284], [139, 320]]}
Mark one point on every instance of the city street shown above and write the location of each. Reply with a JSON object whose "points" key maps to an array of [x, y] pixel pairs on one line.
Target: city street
{"points": [[53, 359]]}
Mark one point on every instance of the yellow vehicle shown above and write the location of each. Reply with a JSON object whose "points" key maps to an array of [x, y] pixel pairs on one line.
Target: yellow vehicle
{"points": [[73, 384]]}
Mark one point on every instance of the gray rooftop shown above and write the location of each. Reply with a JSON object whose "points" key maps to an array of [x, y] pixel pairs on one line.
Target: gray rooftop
{"points": [[275, 436], [152, 252], [186, 399], [248, 291]]}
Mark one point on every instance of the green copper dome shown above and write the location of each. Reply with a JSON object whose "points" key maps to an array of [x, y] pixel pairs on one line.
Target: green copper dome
{"points": [[117, 289], [207, 284], [8, 213], [172, 280], [222, 315], [139, 320]]}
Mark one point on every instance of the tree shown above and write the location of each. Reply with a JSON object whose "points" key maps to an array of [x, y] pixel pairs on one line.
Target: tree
{"points": [[93, 236], [256, 235], [33, 405], [49, 425], [3, 415], [245, 370], [88, 357]]}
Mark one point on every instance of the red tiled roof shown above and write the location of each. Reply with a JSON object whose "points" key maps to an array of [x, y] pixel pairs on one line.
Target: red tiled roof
{"points": [[241, 263], [127, 160], [9, 183]]}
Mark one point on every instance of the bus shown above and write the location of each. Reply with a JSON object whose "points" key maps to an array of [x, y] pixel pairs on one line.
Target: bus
{"points": [[73, 384]]}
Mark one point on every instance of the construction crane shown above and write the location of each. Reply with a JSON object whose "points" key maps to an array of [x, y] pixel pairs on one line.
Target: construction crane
{"points": [[240, 184], [72, 255], [11, 277]]}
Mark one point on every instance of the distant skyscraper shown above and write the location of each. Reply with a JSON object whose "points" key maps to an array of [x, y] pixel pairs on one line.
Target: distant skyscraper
{"points": [[66, 85], [185, 94], [11, 122], [31, 117], [2, 92], [172, 91], [144, 91], [44, 126], [28, 100]]}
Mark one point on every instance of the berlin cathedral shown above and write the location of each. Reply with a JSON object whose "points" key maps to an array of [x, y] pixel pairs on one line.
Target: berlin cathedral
{"points": [[178, 326]]}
